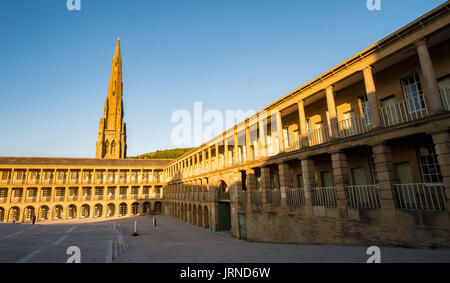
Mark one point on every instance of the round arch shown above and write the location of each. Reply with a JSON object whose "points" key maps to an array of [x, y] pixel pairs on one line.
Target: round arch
{"points": [[98, 210], [2, 214], [58, 212], [123, 209], [44, 213], [146, 207], [14, 213], [71, 212], [85, 211], [134, 208], [29, 213], [111, 210]]}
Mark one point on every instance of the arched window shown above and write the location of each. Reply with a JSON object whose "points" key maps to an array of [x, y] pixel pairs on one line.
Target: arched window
{"points": [[113, 147]]}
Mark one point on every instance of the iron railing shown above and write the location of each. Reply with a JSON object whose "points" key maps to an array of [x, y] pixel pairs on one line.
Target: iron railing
{"points": [[295, 197], [427, 197], [403, 111], [319, 136], [324, 196], [364, 196]]}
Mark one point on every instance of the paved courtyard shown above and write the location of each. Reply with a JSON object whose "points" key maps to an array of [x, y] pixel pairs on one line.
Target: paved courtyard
{"points": [[172, 241]]}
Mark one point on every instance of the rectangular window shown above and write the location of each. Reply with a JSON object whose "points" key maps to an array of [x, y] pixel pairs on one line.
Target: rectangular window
{"points": [[61, 175], [19, 175], [359, 176], [98, 191], [60, 192], [404, 173], [412, 89], [3, 193], [47, 175], [365, 109], [46, 192], [5, 175], [123, 191], [300, 181], [326, 179], [111, 176], [33, 175], [75, 175], [17, 193], [429, 165], [73, 192], [32, 193]]}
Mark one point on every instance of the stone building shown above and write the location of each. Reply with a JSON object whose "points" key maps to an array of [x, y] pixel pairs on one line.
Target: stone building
{"points": [[358, 155]]}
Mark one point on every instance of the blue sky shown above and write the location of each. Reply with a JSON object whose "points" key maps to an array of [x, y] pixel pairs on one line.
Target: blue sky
{"points": [[228, 54]]}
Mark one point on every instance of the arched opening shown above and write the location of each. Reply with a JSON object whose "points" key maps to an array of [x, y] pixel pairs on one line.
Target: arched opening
{"points": [[98, 210], [123, 208], [224, 191], [223, 208], [135, 208], [71, 212], [85, 211], [58, 212], [189, 214], [44, 213], [110, 210], [206, 217], [14, 213], [146, 206], [158, 207], [2, 214], [29, 213], [200, 216], [194, 215], [113, 147]]}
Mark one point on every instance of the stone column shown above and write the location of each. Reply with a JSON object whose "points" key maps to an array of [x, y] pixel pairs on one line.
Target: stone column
{"points": [[280, 132], [209, 159], [265, 184], [309, 182], [332, 112], [285, 180], [387, 177], [372, 97], [431, 85], [441, 141], [236, 147], [302, 127], [262, 124], [217, 156], [248, 146], [251, 185], [225, 151], [341, 181]]}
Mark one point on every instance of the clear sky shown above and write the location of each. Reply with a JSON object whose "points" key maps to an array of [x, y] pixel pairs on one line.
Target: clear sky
{"points": [[227, 54]]}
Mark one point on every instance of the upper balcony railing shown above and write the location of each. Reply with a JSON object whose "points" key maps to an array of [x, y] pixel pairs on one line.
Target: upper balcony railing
{"points": [[404, 111]]}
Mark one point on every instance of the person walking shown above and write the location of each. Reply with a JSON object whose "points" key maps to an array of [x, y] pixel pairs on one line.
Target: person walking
{"points": [[14, 220], [34, 219]]}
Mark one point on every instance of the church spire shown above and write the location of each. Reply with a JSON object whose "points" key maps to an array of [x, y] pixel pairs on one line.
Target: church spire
{"points": [[111, 142]]}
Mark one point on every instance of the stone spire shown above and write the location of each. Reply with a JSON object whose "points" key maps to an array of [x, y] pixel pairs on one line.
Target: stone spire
{"points": [[111, 142]]}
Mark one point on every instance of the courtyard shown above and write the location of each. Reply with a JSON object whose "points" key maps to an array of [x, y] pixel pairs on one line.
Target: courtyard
{"points": [[172, 241]]}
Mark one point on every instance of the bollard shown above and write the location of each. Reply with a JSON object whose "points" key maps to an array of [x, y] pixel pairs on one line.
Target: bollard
{"points": [[135, 232], [154, 221]]}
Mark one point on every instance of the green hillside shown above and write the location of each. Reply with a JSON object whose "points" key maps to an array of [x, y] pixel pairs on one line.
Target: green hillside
{"points": [[164, 154]]}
